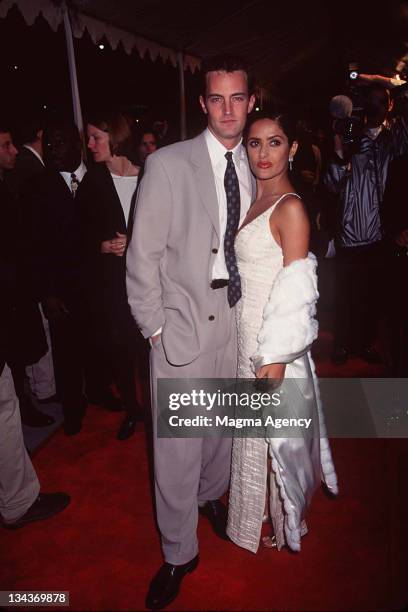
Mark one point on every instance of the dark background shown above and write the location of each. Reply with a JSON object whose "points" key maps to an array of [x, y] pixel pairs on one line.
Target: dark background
{"points": [[299, 51]]}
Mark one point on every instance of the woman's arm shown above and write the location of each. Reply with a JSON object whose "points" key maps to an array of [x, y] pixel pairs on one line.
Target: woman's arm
{"points": [[292, 224]]}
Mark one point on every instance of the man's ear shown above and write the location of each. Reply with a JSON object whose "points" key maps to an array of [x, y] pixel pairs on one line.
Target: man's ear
{"points": [[202, 104], [251, 103]]}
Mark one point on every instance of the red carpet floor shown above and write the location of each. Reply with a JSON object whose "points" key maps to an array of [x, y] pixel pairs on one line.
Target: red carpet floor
{"points": [[104, 547]]}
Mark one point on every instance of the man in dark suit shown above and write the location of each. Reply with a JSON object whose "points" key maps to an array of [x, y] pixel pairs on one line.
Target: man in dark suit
{"points": [[58, 240], [29, 342], [30, 156], [20, 498], [30, 164]]}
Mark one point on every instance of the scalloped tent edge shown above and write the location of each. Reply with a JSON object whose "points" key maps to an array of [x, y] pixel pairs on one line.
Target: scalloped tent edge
{"points": [[75, 24]]}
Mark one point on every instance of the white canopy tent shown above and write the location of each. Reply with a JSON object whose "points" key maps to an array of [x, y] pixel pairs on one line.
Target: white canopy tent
{"points": [[295, 49], [75, 23]]}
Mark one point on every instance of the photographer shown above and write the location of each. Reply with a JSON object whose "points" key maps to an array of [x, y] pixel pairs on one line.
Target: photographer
{"points": [[357, 175]]}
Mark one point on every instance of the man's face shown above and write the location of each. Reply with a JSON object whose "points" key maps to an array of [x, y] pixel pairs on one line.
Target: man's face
{"points": [[64, 150], [227, 105], [8, 151]]}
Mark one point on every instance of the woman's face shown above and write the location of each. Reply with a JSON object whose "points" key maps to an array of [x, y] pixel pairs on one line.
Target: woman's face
{"points": [[268, 149], [98, 143], [147, 145]]}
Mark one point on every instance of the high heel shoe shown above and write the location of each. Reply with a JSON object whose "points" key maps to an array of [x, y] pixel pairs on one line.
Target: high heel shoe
{"points": [[269, 541]]}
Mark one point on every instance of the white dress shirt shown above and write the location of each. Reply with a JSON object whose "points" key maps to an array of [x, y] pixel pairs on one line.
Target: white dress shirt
{"points": [[217, 153], [79, 173]]}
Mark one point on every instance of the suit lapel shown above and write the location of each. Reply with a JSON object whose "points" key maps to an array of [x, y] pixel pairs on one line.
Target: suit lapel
{"points": [[201, 163], [63, 187]]}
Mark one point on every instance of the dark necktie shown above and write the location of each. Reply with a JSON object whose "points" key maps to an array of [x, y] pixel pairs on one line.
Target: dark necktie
{"points": [[231, 185], [74, 184]]}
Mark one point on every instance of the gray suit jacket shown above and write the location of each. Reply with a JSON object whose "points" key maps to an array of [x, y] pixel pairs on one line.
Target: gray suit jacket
{"points": [[171, 254]]}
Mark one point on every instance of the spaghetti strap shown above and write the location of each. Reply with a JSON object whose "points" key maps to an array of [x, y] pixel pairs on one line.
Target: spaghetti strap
{"points": [[284, 196], [270, 210]]}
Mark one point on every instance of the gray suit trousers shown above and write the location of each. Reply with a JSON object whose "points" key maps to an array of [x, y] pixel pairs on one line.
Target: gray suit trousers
{"points": [[190, 471], [19, 486]]}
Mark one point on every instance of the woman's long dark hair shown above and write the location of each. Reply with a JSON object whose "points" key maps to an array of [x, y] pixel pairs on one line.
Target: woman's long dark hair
{"points": [[282, 118]]}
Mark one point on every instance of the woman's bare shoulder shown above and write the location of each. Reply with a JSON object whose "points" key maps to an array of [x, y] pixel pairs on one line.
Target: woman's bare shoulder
{"points": [[291, 207]]}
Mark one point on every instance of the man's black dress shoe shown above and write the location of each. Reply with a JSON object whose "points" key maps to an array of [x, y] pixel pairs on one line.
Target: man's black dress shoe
{"points": [[127, 428], [165, 586], [216, 512], [339, 356], [45, 506]]}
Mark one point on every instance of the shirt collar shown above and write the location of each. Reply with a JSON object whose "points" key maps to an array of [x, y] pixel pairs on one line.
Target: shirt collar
{"points": [[79, 172], [217, 150], [34, 152]]}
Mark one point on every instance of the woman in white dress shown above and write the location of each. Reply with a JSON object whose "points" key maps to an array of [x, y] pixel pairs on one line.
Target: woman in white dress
{"points": [[276, 328]]}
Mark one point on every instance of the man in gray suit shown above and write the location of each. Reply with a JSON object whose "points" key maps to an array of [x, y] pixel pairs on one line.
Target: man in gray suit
{"points": [[182, 283]]}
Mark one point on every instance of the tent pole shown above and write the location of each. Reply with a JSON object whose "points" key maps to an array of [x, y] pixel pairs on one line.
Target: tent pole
{"points": [[183, 121], [76, 103]]}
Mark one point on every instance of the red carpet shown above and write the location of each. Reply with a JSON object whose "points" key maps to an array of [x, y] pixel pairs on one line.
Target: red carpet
{"points": [[104, 548]]}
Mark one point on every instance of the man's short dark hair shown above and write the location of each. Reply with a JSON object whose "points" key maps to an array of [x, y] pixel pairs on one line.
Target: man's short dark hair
{"points": [[28, 129], [226, 63]]}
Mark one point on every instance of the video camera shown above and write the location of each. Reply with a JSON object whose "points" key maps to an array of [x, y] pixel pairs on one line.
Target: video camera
{"points": [[348, 110], [350, 127]]}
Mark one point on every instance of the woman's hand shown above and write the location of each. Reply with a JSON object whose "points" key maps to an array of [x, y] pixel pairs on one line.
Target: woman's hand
{"points": [[116, 246], [273, 374]]}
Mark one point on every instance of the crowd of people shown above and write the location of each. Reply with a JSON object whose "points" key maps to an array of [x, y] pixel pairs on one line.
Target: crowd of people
{"points": [[204, 249], [71, 292]]}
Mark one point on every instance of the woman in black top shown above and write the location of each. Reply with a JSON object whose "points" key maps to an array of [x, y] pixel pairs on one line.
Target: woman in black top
{"points": [[108, 196]]}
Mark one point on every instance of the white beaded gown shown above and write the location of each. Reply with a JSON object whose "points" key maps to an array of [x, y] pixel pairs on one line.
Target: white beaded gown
{"points": [[298, 465]]}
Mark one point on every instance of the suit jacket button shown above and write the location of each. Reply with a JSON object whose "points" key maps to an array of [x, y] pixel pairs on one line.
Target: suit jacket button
{"points": [[215, 251], [211, 318]]}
